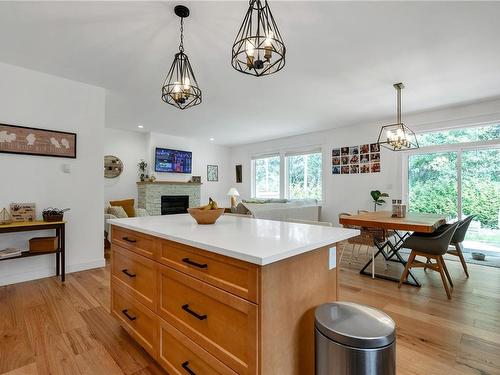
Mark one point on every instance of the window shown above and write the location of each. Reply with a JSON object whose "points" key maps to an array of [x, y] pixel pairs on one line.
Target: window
{"points": [[266, 177], [462, 135], [296, 175], [304, 176]]}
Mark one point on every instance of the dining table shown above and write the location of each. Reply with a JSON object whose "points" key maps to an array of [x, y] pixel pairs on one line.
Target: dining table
{"points": [[395, 231]]}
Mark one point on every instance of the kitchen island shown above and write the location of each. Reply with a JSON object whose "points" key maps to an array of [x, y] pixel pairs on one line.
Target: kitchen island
{"points": [[236, 297]]}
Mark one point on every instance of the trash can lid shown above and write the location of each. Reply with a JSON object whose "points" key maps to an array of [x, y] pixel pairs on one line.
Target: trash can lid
{"points": [[355, 325]]}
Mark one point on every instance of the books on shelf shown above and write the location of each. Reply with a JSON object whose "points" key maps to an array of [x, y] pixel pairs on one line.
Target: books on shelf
{"points": [[10, 252]]}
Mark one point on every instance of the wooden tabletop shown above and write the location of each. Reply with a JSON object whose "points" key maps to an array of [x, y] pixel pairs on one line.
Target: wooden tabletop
{"points": [[414, 222], [22, 224]]}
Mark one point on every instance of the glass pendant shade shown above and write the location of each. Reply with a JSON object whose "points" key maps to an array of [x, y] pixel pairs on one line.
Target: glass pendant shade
{"points": [[398, 136], [258, 48], [180, 88]]}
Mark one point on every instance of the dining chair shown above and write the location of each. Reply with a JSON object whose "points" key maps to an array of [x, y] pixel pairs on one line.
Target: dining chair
{"points": [[433, 247], [457, 240]]}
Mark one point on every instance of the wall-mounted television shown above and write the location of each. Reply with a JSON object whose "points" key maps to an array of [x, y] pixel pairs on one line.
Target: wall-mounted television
{"points": [[173, 161]]}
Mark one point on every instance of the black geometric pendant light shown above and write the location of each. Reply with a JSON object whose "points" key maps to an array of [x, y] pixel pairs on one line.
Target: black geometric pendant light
{"points": [[258, 48], [398, 136], [180, 88]]}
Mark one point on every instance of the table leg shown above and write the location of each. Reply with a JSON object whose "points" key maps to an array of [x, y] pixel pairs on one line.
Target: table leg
{"points": [[58, 254], [63, 253], [394, 252]]}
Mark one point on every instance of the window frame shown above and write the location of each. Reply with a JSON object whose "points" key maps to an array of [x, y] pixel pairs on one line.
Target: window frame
{"points": [[283, 153]]}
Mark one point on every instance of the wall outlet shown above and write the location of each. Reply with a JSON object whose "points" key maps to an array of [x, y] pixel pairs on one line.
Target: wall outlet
{"points": [[66, 168]]}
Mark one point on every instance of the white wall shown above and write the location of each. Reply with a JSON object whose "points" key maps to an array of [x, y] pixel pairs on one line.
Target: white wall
{"points": [[348, 193], [35, 99], [130, 147]]}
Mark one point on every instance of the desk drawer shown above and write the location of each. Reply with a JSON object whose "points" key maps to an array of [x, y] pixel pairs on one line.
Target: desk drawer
{"points": [[137, 319], [136, 274], [225, 325], [232, 275], [139, 243], [179, 355]]}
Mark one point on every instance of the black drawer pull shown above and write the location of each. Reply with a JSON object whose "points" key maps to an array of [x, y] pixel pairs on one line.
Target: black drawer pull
{"points": [[199, 265], [125, 271], [185, 366], [129, 240], [193, 313], [125, 312]]}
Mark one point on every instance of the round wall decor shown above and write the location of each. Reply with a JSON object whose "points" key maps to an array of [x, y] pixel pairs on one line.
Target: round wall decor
{"points": [[113, 166]]}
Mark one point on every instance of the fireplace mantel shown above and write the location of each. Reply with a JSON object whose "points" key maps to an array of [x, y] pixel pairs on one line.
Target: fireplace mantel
{"points": [[150, 193], [168, 183]]}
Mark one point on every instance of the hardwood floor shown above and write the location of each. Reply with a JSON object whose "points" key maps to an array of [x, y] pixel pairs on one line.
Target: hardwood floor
{"points": [[49, 328]]}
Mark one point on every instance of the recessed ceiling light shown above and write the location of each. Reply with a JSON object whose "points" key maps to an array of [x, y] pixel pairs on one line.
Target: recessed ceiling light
{"points": [[212, 139], [140, 126]]}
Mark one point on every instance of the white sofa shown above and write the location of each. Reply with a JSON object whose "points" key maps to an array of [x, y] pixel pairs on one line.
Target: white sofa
{"points": [[282, 210], [139, 212]]}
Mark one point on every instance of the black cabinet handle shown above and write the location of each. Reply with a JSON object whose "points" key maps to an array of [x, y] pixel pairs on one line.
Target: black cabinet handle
{"points": [[129, 240], [125, 312], [185, 366], [125, 271], [199, 265], [193, 313]]}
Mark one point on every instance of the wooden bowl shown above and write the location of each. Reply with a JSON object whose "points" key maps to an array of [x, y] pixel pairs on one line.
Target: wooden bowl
{"points": [[205, 216]]}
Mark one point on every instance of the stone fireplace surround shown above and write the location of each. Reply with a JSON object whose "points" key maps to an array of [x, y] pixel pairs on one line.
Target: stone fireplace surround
{"points": [[150, 193]]}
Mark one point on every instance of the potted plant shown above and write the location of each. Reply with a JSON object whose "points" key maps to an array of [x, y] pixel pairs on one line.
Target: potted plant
{"points": [[142, 169], [376, 196]]}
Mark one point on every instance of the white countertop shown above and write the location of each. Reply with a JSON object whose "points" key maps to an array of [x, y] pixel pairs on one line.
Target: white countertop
{"points": [[252, 240]]}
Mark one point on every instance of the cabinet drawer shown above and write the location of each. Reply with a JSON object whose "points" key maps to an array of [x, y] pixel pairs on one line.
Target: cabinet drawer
{"points": [[136, 274], [234, 276], [179, 355], [137, 319], [223, 324], [139, 243]]}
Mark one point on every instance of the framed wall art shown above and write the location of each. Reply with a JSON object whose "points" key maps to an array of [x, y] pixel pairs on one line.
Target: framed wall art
{"points": [[239, 174], [32, 141], [212, 173]]}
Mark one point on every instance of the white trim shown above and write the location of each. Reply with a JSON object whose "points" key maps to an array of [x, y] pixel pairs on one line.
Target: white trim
{"points": [[49, 272]]}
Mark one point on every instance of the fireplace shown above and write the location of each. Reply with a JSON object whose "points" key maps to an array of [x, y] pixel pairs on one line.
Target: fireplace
{"points": [[174, 204]]}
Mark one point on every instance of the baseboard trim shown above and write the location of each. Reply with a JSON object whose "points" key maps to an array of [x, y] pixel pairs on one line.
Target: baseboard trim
{"points": [[48, 272]]}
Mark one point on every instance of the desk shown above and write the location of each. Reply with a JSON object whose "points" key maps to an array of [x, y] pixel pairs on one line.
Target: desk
{"points": [[58, 226], [413, 222]]}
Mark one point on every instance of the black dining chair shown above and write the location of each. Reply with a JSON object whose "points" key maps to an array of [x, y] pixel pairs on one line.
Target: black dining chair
{"points": [[457, 240], [431, 246]]}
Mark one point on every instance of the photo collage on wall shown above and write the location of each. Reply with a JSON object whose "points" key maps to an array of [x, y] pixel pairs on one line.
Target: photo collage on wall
{"points": [[356, 159]]}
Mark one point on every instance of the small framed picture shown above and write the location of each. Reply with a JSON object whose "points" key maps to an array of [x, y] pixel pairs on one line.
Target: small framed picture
{"points": [[196, 179], [364, 158], [353, 150], [354, 159], [364, 149], [212, 173], [239, 174], [365, 168], [336, 160], [344, 160], [336, 152], [344, 169], [344, 151], [354, 168], [374, 147], [335, 170], [375, 156], [375, 167]]}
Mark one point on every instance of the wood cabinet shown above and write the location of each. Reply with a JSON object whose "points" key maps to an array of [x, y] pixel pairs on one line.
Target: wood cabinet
{"points": [[197, 312]]}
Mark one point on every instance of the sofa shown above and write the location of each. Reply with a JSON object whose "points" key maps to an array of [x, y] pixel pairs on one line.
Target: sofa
{"points": [[280, 209], [138, 212]]}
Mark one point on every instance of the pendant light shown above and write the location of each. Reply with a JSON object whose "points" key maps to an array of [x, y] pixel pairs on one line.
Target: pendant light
{"points": [[180, 88], [258, 49], [398, 136]]}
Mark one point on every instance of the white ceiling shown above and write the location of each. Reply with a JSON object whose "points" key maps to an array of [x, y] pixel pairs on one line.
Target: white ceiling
{"points": [[342, 59]]}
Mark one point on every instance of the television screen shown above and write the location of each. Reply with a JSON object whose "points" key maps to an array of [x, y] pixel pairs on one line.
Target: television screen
{"points": [[173, 161]]}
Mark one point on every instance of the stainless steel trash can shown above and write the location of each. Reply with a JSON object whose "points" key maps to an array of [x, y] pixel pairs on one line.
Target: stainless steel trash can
{"points": [[354, 339]]}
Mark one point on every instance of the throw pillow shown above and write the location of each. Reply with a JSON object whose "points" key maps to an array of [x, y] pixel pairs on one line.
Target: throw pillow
{"points": [[117, 211], [127, 204]]}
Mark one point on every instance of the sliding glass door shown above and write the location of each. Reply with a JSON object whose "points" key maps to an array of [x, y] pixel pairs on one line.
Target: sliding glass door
{"points": [[458, 182]]}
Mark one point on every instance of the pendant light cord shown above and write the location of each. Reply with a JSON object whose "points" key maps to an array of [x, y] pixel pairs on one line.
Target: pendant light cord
{"points": [[181, 45]]}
